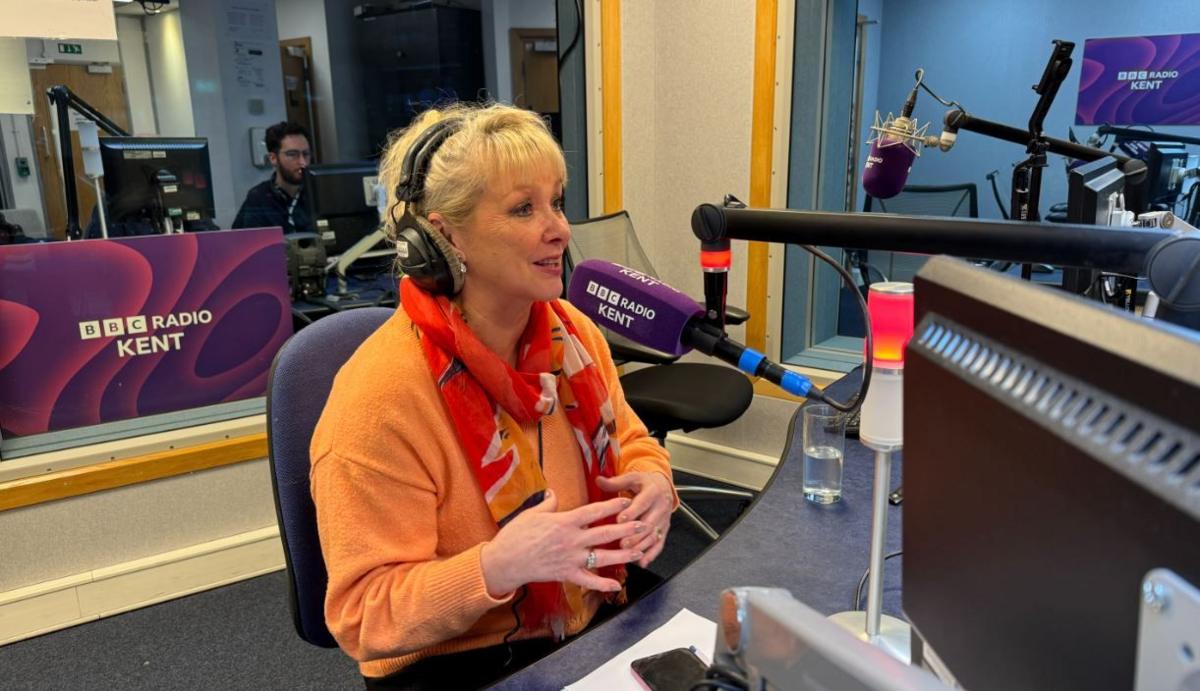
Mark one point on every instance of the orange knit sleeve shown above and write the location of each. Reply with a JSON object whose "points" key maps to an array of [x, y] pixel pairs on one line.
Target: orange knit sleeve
{"points": [[389, 593]]}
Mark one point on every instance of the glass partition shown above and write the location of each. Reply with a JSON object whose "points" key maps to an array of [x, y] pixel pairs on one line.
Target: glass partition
{"points": [[985, 56], [188, 98]]}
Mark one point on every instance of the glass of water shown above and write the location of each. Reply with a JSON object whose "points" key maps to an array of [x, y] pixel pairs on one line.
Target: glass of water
{"points": [[824, 444]]}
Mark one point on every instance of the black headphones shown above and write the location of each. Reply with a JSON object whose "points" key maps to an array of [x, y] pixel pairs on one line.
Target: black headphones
{"points": [[423, 253]]}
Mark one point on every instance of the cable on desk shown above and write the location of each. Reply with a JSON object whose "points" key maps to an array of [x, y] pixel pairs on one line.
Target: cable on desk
{"points": [[723, 674], [716, 684], [863, 581]]}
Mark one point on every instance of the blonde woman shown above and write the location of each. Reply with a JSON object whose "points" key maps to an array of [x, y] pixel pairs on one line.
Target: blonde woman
{"points": [[480, 482]]}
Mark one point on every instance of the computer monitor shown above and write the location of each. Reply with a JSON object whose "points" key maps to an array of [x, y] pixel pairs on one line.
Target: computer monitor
{"points": [[341, 202], [1166, 163], [1051, 460], [149, 179], [1093, 191]]}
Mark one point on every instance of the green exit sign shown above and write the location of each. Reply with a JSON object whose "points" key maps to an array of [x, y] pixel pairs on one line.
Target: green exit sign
{"points": [[70, 48]]}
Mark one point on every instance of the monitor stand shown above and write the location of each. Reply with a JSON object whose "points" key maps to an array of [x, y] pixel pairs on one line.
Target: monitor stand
{"points": [[343, 297]]}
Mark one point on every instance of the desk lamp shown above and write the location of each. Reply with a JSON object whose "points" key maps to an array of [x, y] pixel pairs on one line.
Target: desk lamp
{"points": [[881, 430]]}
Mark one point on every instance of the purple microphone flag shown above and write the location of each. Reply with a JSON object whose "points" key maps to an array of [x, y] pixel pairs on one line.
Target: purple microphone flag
{"points": [[888, 165], [632, 304], [1140, 80]]}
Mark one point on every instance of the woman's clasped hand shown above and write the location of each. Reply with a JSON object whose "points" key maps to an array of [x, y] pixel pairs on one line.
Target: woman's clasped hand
{"points": [[543, 544]]}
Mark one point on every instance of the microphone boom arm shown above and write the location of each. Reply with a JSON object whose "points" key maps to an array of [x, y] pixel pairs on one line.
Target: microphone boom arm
{"points": [[1064, 244], [62, 98]]}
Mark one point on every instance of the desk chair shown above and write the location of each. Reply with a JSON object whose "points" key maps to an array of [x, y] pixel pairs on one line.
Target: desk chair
{"points": [[666, 396], [299, 383], [917, 200]]}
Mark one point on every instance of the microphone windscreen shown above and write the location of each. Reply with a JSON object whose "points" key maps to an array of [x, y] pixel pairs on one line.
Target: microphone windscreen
{"points": [[888, 165], [631, 304]]}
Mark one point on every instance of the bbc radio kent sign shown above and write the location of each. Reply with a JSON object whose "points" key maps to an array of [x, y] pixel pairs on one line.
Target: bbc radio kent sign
{"points": [[1140, 80], [101, 330]]}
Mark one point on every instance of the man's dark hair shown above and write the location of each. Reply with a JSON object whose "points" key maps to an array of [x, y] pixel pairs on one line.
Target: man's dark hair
{"points": [[276, 133]]}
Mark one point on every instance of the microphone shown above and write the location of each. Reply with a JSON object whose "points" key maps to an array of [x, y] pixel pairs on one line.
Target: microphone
{"points": [[895, 144], [652, 313]]}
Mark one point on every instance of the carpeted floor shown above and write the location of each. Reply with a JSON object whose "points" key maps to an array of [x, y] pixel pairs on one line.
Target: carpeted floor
{"points": [[239, 636]]}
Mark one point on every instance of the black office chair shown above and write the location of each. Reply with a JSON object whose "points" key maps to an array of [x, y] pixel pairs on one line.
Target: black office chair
{"points": [[666, 396], [917, 200], [929, 200]]}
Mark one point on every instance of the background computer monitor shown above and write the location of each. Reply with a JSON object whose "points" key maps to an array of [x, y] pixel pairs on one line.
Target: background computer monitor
{"points": [[1166, 162], [132, 167], [1092, 189], [1051, 459], [341, 202]]}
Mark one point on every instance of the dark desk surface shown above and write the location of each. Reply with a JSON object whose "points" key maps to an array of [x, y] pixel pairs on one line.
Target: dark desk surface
{"points": [[819, 553], [376, 291]]}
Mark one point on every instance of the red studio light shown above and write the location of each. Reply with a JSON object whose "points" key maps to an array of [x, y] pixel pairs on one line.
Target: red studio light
{"points": [[716, 259], [891, 308]]}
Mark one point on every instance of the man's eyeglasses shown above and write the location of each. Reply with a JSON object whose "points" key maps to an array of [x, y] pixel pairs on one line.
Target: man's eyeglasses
{"points": [[293, 154]]}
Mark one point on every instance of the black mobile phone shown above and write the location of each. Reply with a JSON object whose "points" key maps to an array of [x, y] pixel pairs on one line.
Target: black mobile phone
{"points": [[674, 670]]}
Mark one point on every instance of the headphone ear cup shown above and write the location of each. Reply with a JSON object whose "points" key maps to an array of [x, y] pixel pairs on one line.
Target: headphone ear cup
{"points": [[455, 269], [424, 255]]}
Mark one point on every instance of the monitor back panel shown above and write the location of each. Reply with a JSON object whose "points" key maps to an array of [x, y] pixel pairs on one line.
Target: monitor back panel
{"points": [[1038, 494]]}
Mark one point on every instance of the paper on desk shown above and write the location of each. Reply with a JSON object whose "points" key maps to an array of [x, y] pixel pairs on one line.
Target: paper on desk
{"points": [[684, 630]]}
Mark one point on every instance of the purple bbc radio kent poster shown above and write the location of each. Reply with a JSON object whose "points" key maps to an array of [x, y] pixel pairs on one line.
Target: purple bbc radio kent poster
{"points": [[101, 330], [1140, 80]]}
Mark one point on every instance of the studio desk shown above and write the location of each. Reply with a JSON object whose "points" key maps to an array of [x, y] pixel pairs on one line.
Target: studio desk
{"points": [[819, 553]]}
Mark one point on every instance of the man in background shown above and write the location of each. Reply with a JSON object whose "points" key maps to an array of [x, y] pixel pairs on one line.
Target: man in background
{"points": [[276, 201]]}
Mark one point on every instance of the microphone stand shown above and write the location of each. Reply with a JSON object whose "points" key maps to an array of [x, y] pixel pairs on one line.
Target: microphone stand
{"points": [[62, 98], [1027, 176]]}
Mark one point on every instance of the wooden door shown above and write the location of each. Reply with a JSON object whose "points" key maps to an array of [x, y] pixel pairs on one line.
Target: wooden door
{"points": [[534, 55], [105, 92], [296, 56]]}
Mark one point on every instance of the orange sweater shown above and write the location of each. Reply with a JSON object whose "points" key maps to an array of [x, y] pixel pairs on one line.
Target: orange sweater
{"points": [[400, 513]]}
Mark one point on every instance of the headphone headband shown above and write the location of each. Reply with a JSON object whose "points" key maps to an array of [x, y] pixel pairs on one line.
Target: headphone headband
{"points": [[411, 185], [423, 253]]}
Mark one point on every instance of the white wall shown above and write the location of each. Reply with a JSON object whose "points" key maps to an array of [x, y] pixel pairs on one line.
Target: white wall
{"points": [[231, 91], [131, 38], [337, 81], [169, 75], [92, 51], [27, 191], [502, 16], [687, 77], [300, 18]]}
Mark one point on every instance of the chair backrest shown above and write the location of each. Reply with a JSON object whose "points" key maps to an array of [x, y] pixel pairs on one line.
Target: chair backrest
{"points": [[299, 383], [611, 238], [930, 200]]}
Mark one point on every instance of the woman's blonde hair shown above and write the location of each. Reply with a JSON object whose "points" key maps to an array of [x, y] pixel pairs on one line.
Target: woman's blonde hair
{"points": [[493, 141]]}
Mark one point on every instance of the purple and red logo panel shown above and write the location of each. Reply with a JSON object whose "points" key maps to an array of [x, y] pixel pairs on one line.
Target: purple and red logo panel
{"points": [[1140, 80], [102, 330]]}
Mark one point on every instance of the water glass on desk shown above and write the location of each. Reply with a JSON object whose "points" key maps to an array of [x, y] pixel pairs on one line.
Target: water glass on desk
{"points": [[824, 445]]}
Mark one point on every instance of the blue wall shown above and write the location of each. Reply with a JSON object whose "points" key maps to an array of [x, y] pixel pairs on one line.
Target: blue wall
{"points": [[987, 54], [872, 10]]}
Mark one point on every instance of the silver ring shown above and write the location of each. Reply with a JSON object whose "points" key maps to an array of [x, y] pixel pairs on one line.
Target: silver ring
{"points": [[591, 560], [658, 532]]}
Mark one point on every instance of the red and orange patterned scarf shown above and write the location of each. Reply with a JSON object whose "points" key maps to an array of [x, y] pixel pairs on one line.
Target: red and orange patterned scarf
{"points": [[489, 401]]}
